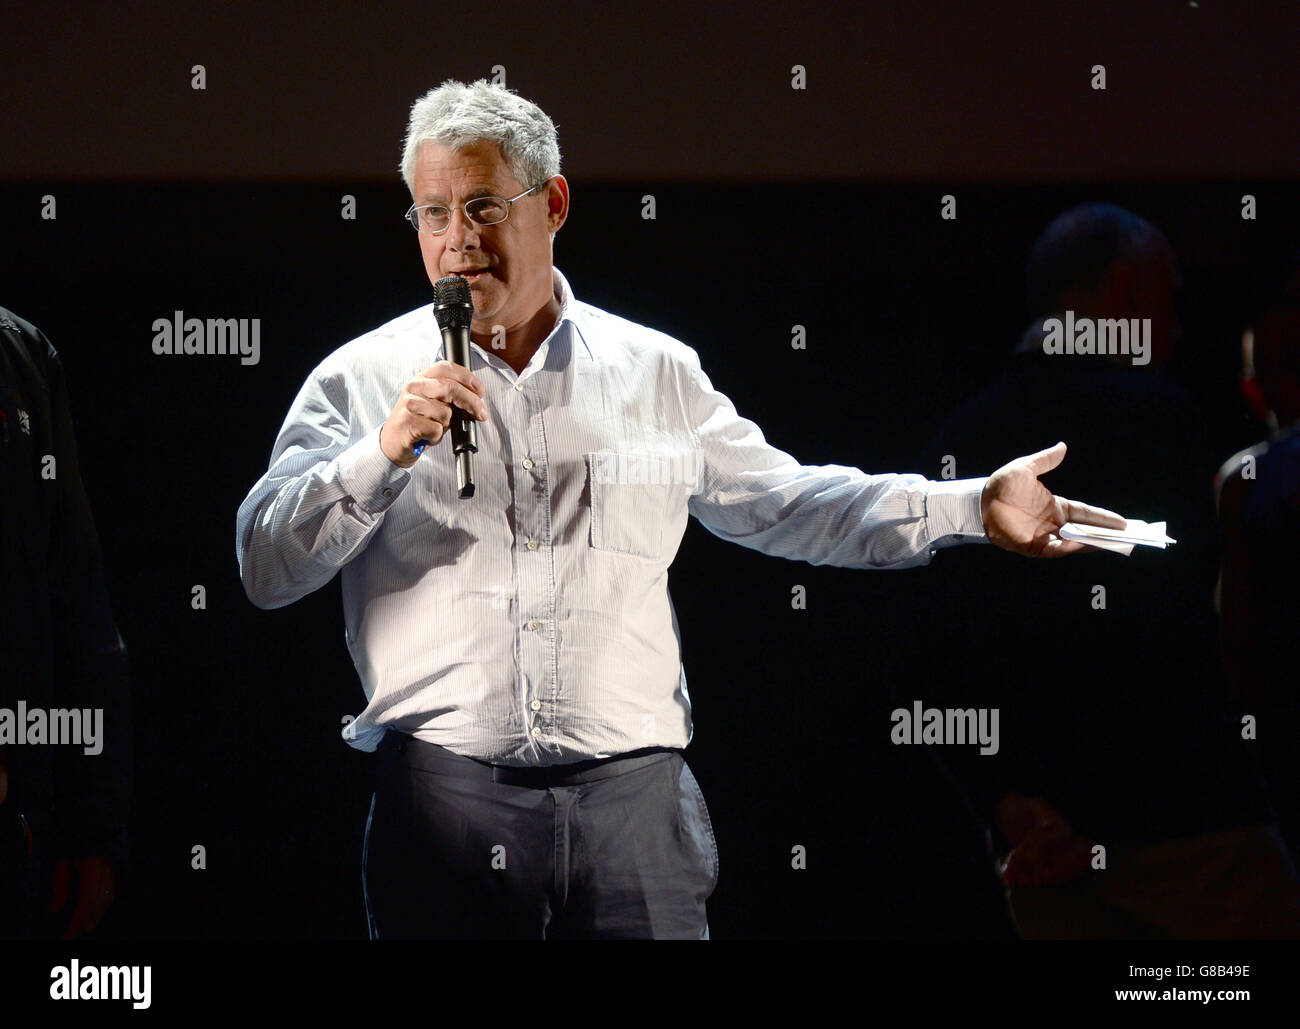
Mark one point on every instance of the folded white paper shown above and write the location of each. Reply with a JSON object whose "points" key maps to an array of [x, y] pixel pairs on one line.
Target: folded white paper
{"points": [[1119, 541]]}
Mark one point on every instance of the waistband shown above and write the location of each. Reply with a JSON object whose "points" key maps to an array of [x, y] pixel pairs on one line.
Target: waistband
{"points": [[416, 753]]}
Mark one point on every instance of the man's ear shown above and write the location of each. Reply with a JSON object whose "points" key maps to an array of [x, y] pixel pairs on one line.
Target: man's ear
{"points": [[557, 203]]}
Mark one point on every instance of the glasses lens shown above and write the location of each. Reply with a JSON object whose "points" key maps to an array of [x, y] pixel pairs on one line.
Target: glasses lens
{"points": [[433, 219], [488, 210]]}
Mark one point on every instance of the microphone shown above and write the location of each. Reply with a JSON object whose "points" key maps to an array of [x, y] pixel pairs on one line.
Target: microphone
{"points": [[453, 309]]}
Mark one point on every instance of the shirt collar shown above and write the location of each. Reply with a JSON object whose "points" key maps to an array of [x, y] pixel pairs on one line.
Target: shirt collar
{"points": [[570, 311]]}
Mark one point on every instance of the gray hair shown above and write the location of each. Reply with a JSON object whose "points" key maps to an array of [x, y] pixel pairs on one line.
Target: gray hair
{"points": [[458, 115]]}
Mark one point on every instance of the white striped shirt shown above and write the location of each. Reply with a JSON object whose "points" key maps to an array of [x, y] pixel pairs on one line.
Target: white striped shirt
{"points": [[531, 624]]}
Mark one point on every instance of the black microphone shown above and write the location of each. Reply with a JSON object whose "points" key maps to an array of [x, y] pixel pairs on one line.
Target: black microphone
{"points": [[453, 309]]}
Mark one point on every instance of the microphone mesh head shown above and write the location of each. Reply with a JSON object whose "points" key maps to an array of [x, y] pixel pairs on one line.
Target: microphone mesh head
{"points": [[452, 304], [451, 289]]}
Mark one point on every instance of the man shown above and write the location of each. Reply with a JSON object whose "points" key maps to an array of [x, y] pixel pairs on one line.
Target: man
{"points": [[1259, 582], [519, 650], [62, 809], [1128, 749]]}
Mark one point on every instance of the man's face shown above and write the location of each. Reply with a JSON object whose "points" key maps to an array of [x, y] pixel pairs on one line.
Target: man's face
{"points": [[507, 265]]}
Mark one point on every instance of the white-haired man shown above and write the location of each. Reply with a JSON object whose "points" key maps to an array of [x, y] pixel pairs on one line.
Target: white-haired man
{"points": [[519, 650]]}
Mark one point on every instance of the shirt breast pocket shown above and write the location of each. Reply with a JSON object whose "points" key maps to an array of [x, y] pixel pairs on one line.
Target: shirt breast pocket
{"points": [[638, 500]]}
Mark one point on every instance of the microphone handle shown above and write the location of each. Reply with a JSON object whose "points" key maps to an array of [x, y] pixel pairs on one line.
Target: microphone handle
{"points": [[464, 430]]}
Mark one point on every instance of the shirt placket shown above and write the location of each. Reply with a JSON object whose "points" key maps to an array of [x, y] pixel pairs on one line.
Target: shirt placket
{"points": [[534, 627]]}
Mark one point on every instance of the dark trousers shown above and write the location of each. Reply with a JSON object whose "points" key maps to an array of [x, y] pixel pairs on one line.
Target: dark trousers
{"points": [[459, 849]]}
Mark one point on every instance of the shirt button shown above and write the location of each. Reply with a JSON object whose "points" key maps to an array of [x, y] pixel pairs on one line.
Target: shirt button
{"points": [[537, 732], [388, 491], [536, 705], [531, 544], [528, 462], [534, 624], [519, 387]]}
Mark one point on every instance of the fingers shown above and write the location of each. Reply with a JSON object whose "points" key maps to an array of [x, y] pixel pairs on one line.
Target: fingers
{"points": [[1027, 864], [1046, 460], [450, 370], [428, 418], [1042, 544], [1057, 547], [1047, 856], [450, 390], [456, 373], [1052, 546], [1087, 514], [1049, 852], [423, 411]]}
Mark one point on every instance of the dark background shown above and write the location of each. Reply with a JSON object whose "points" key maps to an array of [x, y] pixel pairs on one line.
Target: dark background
{"points": [[774, 207]]}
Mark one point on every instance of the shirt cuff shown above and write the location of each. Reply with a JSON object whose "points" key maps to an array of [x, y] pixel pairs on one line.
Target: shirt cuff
{"points": [[369, 477], [952, 512]]}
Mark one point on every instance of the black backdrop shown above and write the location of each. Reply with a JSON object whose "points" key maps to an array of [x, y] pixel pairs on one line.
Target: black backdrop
{"points": [[225, 203], [238, 710]]}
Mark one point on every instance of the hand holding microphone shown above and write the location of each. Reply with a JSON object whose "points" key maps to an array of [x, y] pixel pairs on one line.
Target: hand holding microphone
{"points": [[424, 411]]}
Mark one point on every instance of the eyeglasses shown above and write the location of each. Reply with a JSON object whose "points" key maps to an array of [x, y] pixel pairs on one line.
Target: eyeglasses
{"points": [[436, 219]]}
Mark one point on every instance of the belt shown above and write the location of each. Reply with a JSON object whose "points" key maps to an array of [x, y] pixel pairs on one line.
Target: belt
{"points": [[417, 753]]}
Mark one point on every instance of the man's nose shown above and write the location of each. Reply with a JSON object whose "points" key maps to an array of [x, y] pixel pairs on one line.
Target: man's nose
{"points": [[462, 233]]}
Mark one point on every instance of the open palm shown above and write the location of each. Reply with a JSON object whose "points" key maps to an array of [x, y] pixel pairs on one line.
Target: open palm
{"points": [[1021, 515]]}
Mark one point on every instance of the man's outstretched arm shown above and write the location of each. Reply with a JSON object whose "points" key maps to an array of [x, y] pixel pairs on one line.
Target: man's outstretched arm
{"points": [[756, 495]]}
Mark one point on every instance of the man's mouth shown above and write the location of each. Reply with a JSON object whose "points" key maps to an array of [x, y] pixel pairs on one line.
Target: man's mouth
{"points": [[472, 275]]}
